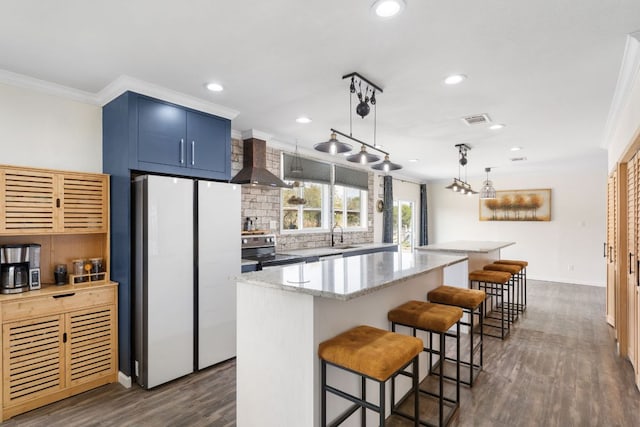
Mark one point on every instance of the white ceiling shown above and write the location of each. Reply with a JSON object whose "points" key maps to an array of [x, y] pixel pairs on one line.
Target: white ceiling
{"points": [[547, 68]]}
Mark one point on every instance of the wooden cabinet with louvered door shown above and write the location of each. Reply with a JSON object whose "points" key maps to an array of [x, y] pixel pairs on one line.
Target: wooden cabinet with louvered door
{"points": [[57, 342], [633, 202], [83, 203], [27, 201], [609, 250], [32, 365], [92, 340], [39, 201]]}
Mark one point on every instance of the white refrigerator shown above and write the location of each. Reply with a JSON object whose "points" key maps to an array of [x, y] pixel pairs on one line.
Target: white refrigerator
{"points": [[187, 252]]}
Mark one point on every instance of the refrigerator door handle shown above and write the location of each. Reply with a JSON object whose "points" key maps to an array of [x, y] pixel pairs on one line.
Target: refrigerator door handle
{"points": [[193, 153]]}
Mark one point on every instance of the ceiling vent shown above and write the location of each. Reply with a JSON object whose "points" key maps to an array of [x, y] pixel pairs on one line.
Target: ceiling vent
{"points": [[518, 159], [476, 119]]}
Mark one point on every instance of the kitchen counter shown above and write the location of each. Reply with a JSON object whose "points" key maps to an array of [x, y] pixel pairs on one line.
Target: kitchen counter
{"points": [[479, 253], [350, 277], [466, 246], [342, 249], [284, 313]]}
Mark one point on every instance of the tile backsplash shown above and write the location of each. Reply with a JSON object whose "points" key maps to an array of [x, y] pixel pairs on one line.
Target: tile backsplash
{"points": [[264, 204]]}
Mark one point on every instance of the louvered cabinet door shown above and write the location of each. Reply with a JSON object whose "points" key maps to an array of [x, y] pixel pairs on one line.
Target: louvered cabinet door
{"points": [[33, 351], [609, 250], [84, 203], [27, 201], [91, 350]]}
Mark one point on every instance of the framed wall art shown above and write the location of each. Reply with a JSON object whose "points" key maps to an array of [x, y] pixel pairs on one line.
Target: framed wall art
{"points": [[517, 205]]}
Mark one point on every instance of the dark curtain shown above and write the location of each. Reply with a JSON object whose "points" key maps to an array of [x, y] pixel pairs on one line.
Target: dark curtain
{"points": [[424, 235], [387, 212]]}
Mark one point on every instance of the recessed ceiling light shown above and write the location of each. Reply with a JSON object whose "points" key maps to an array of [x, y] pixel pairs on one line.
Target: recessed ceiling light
{"points": [[516, 148], [454, 79], [413, 160], [496, 126], [303, 119], [215, 87], [387, 8]]}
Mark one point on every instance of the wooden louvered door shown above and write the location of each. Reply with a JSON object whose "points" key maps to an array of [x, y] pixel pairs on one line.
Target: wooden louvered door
{"points": [[84, 204], [92, 343], [609, 250], [32, 365], [27, 201], [632, 244]]}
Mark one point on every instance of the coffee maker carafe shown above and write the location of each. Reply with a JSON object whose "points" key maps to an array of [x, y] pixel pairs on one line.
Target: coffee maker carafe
{"points": [[19, 268]]}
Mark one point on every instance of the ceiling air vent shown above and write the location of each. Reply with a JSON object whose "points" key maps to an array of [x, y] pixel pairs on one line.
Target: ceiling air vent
{"points": [[476, 119], [518, 159]]}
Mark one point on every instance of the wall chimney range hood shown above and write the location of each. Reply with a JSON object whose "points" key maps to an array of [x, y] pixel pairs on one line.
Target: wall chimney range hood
{"points": [[254, 170]]}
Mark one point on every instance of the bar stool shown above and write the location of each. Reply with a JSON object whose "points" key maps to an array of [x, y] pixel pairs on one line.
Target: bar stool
{"points": [[435, 319], [523, 277], [374, 354], [496, 285], [514, 270], [471, 301]]}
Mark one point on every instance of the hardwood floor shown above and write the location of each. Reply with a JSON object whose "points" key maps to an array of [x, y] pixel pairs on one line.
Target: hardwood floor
{"points": [[558, 368]]}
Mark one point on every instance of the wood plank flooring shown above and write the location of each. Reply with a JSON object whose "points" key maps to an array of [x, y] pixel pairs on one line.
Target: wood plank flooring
{"points": [[558, 368]]}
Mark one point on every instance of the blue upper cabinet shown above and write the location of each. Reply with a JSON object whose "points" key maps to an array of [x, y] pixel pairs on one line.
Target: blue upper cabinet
{"points": [[171, 139]]}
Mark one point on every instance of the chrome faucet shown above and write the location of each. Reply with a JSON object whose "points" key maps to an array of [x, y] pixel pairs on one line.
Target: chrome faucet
{"points": [[333, 241]]}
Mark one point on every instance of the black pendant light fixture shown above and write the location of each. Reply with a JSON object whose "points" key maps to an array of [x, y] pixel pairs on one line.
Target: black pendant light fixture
{"points": [[458, 185], [363, 157], [366, 93], [333, 146]]}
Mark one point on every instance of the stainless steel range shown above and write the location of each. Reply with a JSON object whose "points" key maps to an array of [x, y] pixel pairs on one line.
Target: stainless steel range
{"points": [[263, 250]]}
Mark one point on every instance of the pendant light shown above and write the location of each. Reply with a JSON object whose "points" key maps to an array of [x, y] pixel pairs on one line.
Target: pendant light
{"points": [[386, 165], [363, 157], [487, 191], [458, 185], [366, 94], [333, 146]]}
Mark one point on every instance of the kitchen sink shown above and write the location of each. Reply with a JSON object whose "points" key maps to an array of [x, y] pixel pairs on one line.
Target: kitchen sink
{"points": [[344, 247]]}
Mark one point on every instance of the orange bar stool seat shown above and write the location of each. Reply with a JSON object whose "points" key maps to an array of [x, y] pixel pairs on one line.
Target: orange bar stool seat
{"points": [[523, 278], [496, 284], [514, 288], [373, 354], [471, 302], [435, 319]]}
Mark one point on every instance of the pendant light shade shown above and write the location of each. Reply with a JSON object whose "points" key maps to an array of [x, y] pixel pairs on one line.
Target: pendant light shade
{"points": [[333, 146], [363, 157], [386, 165], [487, 191]]}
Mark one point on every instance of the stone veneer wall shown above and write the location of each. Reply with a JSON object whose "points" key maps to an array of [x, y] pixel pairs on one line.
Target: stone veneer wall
{"points": [[264, 204]]}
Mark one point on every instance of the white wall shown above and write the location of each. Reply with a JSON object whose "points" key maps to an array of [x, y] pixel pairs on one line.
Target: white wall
{"points": [[49, 131], [567, 249]]}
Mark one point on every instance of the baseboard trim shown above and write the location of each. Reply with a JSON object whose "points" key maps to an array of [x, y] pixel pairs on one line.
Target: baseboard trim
{"points": [[125, 380]]}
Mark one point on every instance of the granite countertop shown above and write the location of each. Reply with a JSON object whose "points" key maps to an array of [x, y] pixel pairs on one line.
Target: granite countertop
{"points": [[466, 246], [336, 250], [350, 277]]}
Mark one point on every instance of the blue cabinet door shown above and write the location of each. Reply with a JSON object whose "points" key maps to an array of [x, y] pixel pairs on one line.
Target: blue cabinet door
{"points": [[208, 143], [161, 133]]}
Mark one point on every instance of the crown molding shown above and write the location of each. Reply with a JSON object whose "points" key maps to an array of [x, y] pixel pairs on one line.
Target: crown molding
{"points": [[627, 77], [126, 83], [26, 82]]}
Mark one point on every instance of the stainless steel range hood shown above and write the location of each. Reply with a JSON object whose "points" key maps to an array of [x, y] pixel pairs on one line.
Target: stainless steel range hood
{"points": [[254, 171]]}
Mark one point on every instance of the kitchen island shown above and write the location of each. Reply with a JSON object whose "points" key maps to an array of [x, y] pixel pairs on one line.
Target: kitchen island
{"points": [[479, 254], [284, 313]]}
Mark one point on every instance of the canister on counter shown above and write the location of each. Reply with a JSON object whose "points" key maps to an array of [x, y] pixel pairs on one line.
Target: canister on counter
{"points": [[60, 274], [78, 270], [96, 267]]}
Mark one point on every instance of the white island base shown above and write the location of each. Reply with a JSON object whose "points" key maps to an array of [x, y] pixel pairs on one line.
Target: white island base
{"points": [[280, 325]]}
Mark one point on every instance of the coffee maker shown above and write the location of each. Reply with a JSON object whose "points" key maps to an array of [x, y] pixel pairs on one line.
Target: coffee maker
{"points": [[19, 268]]}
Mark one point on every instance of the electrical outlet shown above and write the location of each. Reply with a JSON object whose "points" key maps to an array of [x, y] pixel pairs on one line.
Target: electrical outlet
{"points": [[570, 267], [273, 225]]}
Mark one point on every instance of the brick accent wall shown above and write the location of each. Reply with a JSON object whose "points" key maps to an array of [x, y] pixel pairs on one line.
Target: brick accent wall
{"points": [[263, 204]]}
